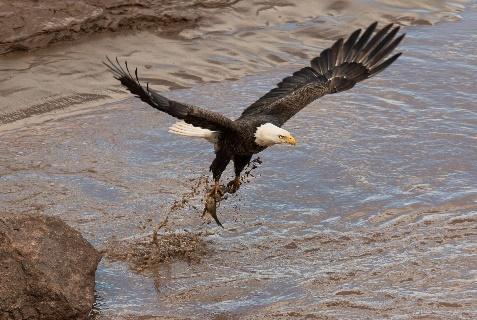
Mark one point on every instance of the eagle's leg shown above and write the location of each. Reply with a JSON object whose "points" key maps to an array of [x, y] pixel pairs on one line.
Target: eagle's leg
{"points": [[240, 162], [234, 185], [217, 167]]}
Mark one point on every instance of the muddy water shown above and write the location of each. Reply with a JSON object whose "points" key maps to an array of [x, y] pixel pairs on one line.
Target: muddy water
{"points": [[371, 215]]}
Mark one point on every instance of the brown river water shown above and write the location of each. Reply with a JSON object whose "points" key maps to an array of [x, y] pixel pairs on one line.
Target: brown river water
{"points": [[372, 215]]}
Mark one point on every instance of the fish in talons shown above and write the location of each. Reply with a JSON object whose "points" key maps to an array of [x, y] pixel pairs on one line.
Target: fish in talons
{"points": [[212, 198]]}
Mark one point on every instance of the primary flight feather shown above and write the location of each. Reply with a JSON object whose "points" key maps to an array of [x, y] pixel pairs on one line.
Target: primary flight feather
{"points": [[336, 69]]}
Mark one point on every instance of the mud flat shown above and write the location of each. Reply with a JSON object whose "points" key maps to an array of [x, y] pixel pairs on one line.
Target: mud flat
{"points": [[29, 25], [175, 44]]}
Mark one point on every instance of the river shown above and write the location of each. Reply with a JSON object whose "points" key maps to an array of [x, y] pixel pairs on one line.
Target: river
{"points": [[371, 215]]}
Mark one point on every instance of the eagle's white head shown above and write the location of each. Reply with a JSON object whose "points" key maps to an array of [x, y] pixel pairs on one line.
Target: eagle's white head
{"points": [[269, 134]]}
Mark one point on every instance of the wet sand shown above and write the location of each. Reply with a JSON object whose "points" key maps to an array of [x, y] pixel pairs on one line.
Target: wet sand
{"points": [[28, 25], [185, 43], [371, 215]]}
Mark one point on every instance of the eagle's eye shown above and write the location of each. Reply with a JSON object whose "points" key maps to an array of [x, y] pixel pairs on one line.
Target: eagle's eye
{"points": [[280, 136]]}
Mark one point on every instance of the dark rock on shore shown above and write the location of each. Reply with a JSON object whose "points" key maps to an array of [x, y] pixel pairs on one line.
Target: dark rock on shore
{"points": [[47, 269]]}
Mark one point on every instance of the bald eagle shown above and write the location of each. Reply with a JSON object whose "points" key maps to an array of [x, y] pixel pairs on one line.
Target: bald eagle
{"points": [[338, 68]]}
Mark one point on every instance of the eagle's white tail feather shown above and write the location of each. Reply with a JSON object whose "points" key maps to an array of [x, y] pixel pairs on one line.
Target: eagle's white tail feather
{"points": [[185, 129]]}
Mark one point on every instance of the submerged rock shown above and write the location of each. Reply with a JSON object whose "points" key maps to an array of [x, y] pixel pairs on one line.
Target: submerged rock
{"points": [[47, 269]]}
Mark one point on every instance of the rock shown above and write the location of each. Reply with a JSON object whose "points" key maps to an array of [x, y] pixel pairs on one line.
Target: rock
{"points": [[47, 269]]}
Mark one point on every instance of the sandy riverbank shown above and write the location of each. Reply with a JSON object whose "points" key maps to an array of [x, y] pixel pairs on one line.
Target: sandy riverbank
{"points": [[175, 44]]}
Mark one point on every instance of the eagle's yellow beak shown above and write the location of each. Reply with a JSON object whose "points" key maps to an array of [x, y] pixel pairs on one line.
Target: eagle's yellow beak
{"points": [[288, 140]]}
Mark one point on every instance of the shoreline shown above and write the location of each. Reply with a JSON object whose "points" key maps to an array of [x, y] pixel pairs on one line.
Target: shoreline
{"points": [[39, 25], [200, 42]]}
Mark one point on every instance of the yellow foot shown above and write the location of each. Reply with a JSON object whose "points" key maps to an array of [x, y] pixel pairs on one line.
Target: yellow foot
{"points": [[233, 185], [216, 192]]}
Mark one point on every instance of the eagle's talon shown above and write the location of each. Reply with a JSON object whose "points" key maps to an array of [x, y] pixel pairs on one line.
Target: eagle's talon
{"points": [[216, 192], [234, 185]]}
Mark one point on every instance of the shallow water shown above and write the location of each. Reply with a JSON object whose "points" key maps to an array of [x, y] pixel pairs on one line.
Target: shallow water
{"points": [[371, 215]]}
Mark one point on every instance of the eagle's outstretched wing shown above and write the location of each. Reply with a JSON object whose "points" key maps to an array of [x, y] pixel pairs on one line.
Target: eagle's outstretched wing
{"points": [[190, 114], [338, 68]]}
